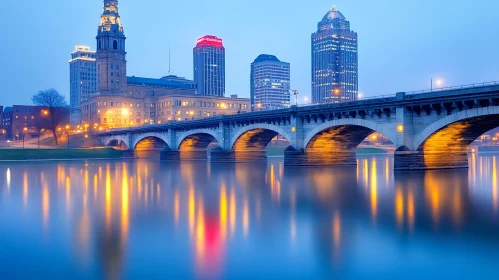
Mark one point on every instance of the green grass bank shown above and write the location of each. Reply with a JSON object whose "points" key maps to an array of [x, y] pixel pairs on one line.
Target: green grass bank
{"points": [[49, 154]]}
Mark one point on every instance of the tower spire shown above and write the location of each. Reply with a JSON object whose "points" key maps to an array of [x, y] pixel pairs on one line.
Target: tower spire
{"points": [[111, 54], [110, 16]]}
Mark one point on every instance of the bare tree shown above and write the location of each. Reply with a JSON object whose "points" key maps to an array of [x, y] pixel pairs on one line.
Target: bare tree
{"points": [[57, 108]]}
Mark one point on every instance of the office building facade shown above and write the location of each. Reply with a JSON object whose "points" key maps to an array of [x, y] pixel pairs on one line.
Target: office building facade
{"points": [[270, 83], [209, 66], [82, 79], [334, 60]]}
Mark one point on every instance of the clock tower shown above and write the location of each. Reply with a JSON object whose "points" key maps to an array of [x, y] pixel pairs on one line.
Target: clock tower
{"points": [[111, 54]]}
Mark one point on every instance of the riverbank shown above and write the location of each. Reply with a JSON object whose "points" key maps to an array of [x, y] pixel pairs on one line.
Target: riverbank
{"points": [[56, 154]]}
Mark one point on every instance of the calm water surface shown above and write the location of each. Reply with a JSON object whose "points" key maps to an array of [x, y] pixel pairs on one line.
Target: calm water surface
{"points": [[156, 220]]}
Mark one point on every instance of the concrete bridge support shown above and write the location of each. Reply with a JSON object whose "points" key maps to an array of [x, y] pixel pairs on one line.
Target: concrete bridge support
{"points": [[221, 156], [294, 157], [168, 155], [420, 160]]}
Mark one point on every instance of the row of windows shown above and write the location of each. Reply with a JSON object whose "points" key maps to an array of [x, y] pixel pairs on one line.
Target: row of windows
{"points": [[177, 103]]}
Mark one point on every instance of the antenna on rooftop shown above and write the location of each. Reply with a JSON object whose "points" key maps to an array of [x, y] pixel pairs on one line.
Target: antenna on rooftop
{"points": [[169, 58]]}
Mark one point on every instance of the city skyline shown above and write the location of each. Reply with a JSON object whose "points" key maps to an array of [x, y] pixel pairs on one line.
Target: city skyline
{"points": [[380, 69]]}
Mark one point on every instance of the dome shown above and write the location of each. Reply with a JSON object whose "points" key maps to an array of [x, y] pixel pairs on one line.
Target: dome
{"points": [[333, 14], [266, 57]]}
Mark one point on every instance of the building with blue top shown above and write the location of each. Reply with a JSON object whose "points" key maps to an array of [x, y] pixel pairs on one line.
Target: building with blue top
{"points": [[334, 60], [270, 83]]}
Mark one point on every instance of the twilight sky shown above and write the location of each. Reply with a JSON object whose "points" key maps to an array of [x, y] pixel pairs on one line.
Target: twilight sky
{"points": [[402, 44]]}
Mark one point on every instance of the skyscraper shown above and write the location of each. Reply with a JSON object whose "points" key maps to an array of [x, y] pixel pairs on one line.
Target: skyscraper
{"points": [[82, 74], [270, 83], [334, 60], [111, 54], [209, 66]]}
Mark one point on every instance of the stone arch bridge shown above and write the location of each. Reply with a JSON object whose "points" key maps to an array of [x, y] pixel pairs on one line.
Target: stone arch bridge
{"points": [[430, 130]]}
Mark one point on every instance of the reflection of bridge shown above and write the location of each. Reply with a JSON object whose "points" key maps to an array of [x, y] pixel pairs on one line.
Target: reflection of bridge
{"points": [[430, 130]]}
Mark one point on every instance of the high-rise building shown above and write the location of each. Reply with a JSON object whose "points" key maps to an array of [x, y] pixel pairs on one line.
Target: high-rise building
{"points": [[111, 54], [334, 60], [209, 66], [270, 83], [82, 79]]}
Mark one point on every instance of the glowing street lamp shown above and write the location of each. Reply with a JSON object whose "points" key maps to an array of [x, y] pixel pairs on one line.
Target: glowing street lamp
{"points": [[438, 83]]}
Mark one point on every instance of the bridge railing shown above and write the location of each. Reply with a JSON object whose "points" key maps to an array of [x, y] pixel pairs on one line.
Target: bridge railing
{"points": [[475, 85]]}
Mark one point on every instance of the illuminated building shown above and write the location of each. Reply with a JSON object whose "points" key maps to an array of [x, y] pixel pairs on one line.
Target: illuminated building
{"points": [[270, 83], [121, 101], [334, 60], [3, 131], [82, 79], [27, 121], [209, 66], [111, 54], [7, 121], [124, 111]]}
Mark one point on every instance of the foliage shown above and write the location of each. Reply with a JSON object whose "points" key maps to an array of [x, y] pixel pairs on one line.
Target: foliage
{"points": [[57, 108]]}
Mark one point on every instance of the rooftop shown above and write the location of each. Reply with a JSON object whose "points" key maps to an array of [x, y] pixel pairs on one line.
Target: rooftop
{"points": [[168, 82], [334, 13], [209, 41], [266, 57]]}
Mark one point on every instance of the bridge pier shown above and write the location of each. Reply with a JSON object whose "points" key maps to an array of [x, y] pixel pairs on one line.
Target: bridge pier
{"points": [[221, 156], [170, 155], [420, 160], [294, 157], [128, 154], [194, 155]]}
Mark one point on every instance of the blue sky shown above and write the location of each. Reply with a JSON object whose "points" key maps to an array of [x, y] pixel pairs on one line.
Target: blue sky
{"points": [[402, 44]]}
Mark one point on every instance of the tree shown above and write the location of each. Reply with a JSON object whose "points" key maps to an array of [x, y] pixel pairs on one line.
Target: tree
{"points": [[57, 108]]}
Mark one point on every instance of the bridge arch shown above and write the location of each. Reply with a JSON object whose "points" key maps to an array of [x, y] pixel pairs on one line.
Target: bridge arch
{"points": [[117, 142], [335, 142], [256, 136], [365, 127], [457, 131], [197, 139], [152, 136]]}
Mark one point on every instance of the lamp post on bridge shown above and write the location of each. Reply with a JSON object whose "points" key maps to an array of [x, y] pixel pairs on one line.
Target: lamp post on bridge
{"points": [[438, 82], [295, 93]]}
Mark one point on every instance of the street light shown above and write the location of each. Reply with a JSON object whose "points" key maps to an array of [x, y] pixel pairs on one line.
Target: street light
{"points": [[24, 135], [295, 93], [67, 129], [438, 82]]}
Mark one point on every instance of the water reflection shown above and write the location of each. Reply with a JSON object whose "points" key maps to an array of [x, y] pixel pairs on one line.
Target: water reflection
{"points": [[123, 218]]}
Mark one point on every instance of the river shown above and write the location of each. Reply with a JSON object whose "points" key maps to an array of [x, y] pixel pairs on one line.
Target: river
{"points": [[145, 219]]}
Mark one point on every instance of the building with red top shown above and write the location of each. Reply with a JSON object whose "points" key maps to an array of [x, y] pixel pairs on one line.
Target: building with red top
{"points": [[209, 66]]}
